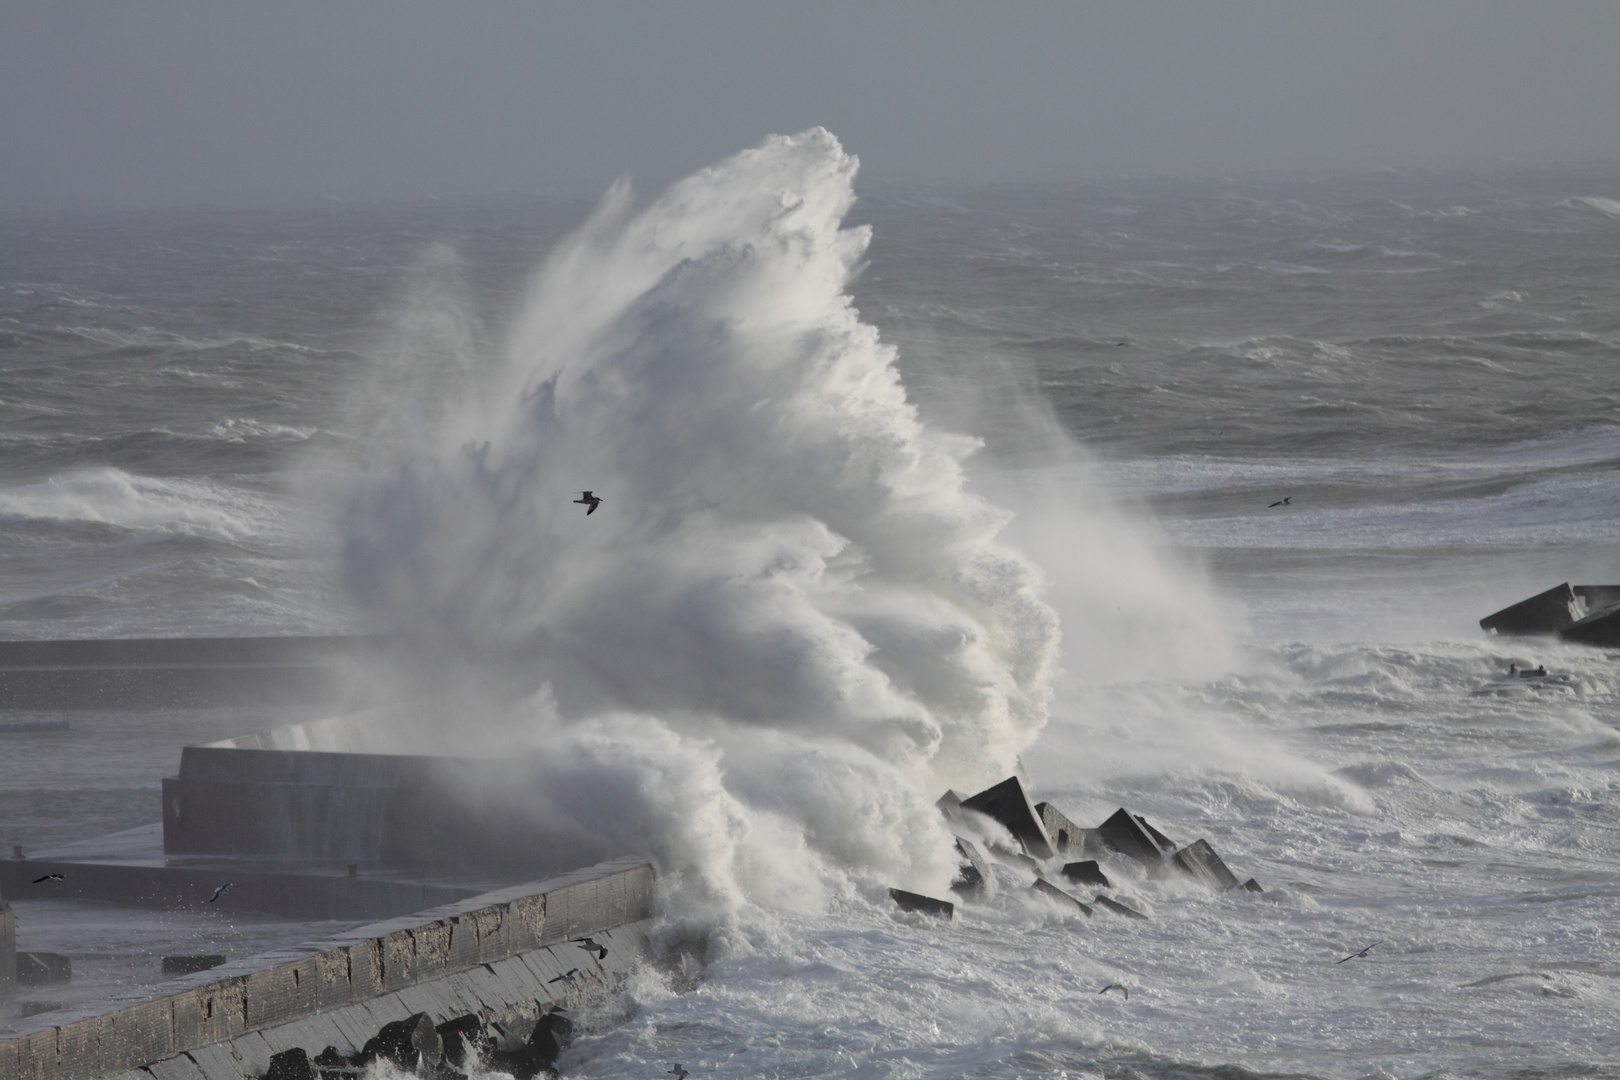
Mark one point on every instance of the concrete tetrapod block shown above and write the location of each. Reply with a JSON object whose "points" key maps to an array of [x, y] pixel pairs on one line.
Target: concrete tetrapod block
{"points": [[1066, 836], [926, 905], [1052, 892], [1087, 873], [1007, 803], [1601, 628], [1544, 613], [975, 877], [43, 968], [950, 804], [1124, 834], [1200, 860], [185, 965], [1252, 886], [1118, 908]]}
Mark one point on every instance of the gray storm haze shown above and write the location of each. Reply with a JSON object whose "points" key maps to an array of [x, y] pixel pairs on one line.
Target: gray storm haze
{"points": [[112, 103]]}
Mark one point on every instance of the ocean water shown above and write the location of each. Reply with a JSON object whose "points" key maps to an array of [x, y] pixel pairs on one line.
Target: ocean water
{"points": [[901, 492]]}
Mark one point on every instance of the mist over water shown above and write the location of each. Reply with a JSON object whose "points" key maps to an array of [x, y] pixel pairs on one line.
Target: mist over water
{"points": [[792, 622], [1007, 508]]}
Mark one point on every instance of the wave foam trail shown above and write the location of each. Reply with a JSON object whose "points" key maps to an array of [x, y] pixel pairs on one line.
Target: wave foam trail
{"points": [[789, 625]]}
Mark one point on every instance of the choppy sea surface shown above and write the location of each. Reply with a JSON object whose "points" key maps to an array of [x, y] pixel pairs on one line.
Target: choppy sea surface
{"points": [[1424, 365]]}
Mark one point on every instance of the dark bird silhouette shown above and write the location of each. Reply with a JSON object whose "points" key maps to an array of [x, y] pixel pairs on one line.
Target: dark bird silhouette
{"points": [[50, 877], [219, 892], [587, 499], [678, 1071], [568, 977], [1289, 501], [1116, 986], [591, 945], [1363, 953]]}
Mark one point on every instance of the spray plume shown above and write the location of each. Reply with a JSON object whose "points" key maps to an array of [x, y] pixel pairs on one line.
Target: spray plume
{"points": [[791, 624]]}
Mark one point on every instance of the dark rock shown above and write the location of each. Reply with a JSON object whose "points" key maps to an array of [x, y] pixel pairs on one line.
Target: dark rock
{"points": [[1601, 628], [1164, 842], [926, 905], [291, 1064], [465, 1040], [1124, 833], [43, 969], [975, 877], [333, 1064], [1544, 613], [1087, 873], [551, 1036], [410, 1044], [1118, 908], [1252, 886], [185, 965], [1007, 803], [1052, 892], [950, 804], [1200, 860], [1065, 835]]}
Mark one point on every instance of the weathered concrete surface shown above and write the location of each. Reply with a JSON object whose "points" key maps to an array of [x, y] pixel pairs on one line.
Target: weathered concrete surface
{"points": [[1086, 873], [1123, 833], [478, 955], [1199, 860], [924, 905], [1052, 892], [1006, 802], [975, 877], [1544, 613], [1601, 628], [1118, 908], [1067, 837]]}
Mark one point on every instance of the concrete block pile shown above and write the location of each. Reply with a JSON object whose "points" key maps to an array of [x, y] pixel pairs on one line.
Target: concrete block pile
{"points": [[1049, 845]]}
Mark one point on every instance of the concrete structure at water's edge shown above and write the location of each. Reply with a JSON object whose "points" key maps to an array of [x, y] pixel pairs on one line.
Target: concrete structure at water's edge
{"points": [[502, 957], [1585, 614]]}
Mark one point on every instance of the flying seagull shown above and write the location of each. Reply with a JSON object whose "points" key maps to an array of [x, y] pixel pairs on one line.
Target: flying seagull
{"points": [[591, 945], [1288, 501], [678, 1071], [567, 977], [50, 877], [1363, 953], [218, 892], [1116, 986], [587, 499]]}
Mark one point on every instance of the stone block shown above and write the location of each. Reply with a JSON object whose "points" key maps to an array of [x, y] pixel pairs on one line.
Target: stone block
{"points": [[1252, 886], [138, 1034], [1087, 873], [1601, 628], [217, 1062], [925, 905], [181, 1067], [1118, 908], [950, 804], [1052, 892], [975, 878], [1123, 833], [1200, 860], [1544, 613], [1006, 802], [1065, 835]]}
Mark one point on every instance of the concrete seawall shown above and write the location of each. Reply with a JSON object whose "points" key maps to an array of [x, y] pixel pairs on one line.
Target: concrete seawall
{"points": [[493, 955]]}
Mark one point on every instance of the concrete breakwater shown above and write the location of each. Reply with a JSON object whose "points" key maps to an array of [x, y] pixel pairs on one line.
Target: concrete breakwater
{"points": [[504, 956]]}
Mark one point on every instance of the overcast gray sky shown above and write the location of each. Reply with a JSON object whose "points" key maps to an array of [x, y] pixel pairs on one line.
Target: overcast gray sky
{"points": [[110, 103]]}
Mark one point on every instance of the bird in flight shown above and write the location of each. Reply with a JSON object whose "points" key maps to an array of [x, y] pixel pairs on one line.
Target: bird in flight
{"points": [[219, 892], [50, 877], [591, 945], [567, 977], [678, 1071], [1288, 501], [587, 499], [1363, 953], [1116, 986]]}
